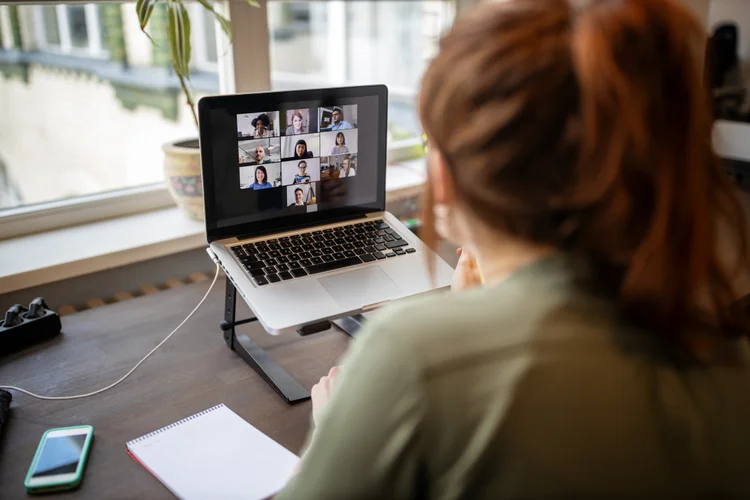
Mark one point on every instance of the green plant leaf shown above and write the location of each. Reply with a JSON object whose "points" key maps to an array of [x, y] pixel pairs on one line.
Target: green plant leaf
{"points": [[226, 26], [252, 3], [144, 8], [178, 30]]}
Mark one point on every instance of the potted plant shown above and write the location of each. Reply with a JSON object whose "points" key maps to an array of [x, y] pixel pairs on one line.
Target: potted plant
{"points": [[182, 168]]}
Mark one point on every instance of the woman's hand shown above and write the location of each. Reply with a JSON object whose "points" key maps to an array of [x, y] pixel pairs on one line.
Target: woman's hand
{"points": [[321, 392], [466, 275]]}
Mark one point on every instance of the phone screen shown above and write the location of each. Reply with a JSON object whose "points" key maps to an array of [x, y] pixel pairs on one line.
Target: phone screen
{"points": [[60, 455]]}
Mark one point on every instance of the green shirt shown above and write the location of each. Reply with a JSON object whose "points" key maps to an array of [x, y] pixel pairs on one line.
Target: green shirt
{"points": [[530, 388]]}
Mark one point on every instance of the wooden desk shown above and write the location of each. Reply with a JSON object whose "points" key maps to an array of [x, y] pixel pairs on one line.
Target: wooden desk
{"points": [[193, 371]]}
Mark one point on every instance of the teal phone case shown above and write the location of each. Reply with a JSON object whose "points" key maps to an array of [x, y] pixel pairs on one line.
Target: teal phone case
{"points": [[79, 471]]}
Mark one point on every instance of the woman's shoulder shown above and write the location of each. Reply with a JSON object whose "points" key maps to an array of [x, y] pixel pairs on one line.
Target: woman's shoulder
{"points": [[523, 309], [430, 309], [416, 321], [422, 332]]}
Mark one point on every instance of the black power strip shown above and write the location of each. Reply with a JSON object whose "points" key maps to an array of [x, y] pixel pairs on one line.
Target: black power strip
{"points": [[22, 327]]}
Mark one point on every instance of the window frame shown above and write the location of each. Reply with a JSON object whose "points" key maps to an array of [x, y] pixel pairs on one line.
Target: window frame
{"points": [[248, 72]]}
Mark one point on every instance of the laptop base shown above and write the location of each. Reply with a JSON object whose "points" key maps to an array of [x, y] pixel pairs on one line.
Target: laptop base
{"points": [[278, 378]]}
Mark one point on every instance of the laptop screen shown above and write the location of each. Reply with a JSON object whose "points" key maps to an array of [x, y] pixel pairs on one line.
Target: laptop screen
{"points": [[291, 158]]}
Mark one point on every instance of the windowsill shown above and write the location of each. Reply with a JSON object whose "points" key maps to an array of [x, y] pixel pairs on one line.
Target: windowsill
{"points": [[51, 256], [65, 253]]}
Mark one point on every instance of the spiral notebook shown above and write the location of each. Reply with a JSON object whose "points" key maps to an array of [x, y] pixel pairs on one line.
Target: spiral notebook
{"points": [[214, 454]]}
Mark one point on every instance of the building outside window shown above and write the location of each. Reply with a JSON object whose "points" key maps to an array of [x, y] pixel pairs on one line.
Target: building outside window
{"points": [[70, 29]]}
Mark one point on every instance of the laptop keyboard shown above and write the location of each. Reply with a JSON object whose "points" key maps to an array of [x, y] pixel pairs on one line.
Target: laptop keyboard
{"points": [[299, 255]]}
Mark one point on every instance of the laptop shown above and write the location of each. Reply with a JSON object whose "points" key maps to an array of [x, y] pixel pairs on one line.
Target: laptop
{"points": [[294, 198]]}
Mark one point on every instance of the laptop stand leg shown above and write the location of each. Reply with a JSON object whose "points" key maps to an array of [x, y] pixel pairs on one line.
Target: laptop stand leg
{"points": [[278, 378], [350, 324]]}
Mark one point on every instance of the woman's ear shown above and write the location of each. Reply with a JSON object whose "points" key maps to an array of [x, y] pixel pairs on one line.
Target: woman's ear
{"points": [[443, 189]]}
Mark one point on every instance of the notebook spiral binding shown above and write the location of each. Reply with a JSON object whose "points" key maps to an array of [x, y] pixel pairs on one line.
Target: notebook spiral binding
{"points": [[175, 424]]}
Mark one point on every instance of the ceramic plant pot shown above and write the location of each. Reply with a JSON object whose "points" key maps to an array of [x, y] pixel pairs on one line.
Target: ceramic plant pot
{"points": [[182, 173]]}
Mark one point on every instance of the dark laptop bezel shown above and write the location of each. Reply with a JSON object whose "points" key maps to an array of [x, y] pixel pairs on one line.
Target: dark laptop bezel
{"points": [[273, 100]]}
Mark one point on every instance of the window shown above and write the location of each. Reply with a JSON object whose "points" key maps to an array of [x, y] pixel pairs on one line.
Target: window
{"points": [[350, 43], [100, 124], [72, 29], [88, 101], [79, 35]]}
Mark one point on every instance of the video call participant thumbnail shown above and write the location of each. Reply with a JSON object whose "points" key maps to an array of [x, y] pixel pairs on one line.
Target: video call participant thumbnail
{"points": [[338, 118], [301, 195], [339, 143], [260, 177], [335, 167], [297, 121], [300, 171], [300, 147], [259, 151], [258, 126]]}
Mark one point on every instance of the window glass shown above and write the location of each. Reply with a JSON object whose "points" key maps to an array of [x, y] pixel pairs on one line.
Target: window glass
{"points": [[79, 36], [89, 101]]}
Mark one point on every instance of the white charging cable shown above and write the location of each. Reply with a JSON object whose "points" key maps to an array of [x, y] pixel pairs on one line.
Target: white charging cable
{"points": [[79, 396]]}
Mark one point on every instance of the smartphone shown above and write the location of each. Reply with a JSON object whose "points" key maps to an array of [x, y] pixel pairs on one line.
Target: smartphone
{"points": [[60, 459]]}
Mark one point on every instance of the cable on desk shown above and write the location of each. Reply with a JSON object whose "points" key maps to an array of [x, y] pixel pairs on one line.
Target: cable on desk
{"points": [[80, 396]]}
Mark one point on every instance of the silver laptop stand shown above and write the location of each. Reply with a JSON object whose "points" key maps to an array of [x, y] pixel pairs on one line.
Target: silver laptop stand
{"points": [[278, 378]]}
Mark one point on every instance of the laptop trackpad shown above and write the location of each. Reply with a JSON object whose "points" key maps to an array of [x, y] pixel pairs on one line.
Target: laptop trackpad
{"points": [[360, 288]]}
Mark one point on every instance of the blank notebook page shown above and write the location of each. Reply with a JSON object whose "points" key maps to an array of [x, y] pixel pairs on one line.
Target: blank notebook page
{"points": [[215, 454]]}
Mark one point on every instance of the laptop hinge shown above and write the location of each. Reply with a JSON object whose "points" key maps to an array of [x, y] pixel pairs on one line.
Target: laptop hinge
{"points": [[300, 226]]}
